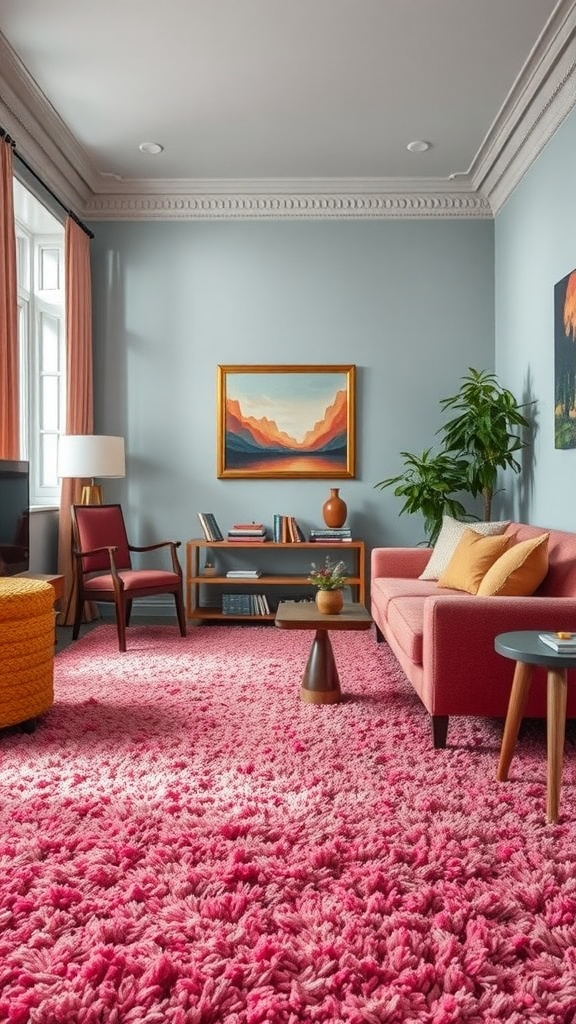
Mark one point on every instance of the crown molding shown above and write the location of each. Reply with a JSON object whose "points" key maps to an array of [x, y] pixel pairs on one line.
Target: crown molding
{"points": [[292, 204], [541, 98], [42, 138]]}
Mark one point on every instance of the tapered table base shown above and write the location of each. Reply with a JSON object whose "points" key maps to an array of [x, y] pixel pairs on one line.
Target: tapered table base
{"points": [[320, 683]]}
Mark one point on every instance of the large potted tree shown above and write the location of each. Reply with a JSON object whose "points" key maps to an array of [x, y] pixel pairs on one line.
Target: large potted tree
{"points": [[483, 437]]}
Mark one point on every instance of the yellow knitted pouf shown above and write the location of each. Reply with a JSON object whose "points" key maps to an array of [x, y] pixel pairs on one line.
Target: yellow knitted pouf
{"points": [[26, 649]]}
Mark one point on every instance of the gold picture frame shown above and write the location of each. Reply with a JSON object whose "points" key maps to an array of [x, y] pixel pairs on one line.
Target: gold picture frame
{"points": [[291, 422]]}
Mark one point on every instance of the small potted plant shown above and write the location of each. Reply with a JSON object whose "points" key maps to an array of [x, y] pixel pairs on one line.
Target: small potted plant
{"points": [[328, 579]]}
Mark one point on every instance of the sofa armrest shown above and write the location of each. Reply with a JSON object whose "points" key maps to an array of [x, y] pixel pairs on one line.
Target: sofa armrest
{"points": [[477, 620], [463, 673], [399, 562]]}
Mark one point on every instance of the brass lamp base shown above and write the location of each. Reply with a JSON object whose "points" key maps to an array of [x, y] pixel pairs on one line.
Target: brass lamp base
{"points": [[91, 495]]}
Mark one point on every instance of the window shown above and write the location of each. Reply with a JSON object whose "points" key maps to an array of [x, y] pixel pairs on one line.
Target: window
{"points": [[42, 343]]}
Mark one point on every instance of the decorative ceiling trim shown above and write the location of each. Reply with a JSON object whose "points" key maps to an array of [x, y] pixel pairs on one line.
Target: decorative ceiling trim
{"points": [[280, 206], [542, 97], [40, 134]]}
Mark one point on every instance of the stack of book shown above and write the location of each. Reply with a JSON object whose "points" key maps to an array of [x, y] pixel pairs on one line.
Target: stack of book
{"points": [[245, 604], [334, 535], [210, 527], [562, 643], [287, 531], [247, 532], [243, 574]]}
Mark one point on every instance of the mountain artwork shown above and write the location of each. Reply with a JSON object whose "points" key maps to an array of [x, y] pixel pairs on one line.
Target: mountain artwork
{"points": [[286, 421]]}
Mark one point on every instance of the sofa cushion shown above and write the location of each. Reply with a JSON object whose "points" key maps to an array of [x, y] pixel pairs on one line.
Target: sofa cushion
{"points": [[471, 560], [450, 533], [386, 589], [519, 571]]}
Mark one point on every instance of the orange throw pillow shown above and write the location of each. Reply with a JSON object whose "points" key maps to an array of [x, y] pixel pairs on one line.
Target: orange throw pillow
{"points": [[471, 561], [519, 571]]}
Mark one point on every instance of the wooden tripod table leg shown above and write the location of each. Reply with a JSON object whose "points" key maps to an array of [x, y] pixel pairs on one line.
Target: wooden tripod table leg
{"points": [[556, 728], [514, 715], [320, 682]]}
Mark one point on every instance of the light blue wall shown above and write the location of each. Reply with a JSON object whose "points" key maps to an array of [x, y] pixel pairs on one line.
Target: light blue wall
{"points": [[410, 303], [535, 246]]}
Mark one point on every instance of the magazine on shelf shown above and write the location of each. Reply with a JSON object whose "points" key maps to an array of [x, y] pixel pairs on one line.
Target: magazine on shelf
{"points": [[244, 574], [561, 644]]}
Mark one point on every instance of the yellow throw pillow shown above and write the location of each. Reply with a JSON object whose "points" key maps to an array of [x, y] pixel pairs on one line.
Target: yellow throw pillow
{"points": [[471, 561], [519, 571]]}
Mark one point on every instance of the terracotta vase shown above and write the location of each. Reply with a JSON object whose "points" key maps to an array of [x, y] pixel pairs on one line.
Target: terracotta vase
{"points": [[329, 602], [334, 509]]}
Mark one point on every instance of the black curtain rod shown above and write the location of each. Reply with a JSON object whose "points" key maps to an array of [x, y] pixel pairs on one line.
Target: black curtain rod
{"points": [[12, 142]]}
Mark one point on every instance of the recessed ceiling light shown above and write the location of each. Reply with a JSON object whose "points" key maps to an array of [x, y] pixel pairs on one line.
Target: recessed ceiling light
{"points": [[418, 146], [152, 148]]}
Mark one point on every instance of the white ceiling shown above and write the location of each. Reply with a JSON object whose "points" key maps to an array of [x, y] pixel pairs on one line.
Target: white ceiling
{"points": [[280, 96]]}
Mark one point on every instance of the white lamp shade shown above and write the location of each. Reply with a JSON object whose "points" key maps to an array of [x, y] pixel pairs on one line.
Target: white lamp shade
{"points": [[91, 455]]}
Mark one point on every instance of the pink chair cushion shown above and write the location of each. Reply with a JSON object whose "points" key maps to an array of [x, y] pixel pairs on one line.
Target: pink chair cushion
{"points": [[135, 580]]}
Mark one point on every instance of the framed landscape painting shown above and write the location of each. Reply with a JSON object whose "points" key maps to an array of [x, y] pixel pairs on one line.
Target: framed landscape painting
{"points": [[286, 421]]}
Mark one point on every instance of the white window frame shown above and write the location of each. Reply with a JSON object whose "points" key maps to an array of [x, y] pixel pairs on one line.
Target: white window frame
{"points": [[33, 303]]}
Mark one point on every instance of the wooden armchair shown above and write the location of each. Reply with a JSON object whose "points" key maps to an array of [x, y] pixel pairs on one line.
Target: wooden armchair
{"points": [[104, 570]]}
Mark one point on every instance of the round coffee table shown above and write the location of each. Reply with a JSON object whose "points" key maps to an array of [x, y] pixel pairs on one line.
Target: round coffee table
{"points": [[527, 650]]}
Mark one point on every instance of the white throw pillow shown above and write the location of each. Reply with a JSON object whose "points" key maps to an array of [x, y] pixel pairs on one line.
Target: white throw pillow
{"points": [[448, 538]]}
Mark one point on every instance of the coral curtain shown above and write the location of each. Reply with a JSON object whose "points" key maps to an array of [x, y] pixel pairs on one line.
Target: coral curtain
{"points": [[9, 374], [79, 404]]}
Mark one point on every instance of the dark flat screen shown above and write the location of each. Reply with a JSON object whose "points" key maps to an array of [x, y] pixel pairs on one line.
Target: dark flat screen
{"points": [[14, 517]]}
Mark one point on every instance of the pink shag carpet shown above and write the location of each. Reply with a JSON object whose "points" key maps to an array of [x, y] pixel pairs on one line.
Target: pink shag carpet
{"points": [[183, 841]]}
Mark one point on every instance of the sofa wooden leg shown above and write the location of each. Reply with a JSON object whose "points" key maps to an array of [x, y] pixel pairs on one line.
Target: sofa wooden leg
{"points": [[379, 634], [439, 730]]}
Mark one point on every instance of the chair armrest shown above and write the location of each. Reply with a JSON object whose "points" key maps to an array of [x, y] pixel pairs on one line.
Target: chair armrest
{"points": [[154, 547], [172, 544], [80, 553], [110, 548], [399, 562]]}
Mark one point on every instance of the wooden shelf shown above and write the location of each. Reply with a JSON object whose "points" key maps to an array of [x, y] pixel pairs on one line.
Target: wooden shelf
{"points": [[352, 552]]}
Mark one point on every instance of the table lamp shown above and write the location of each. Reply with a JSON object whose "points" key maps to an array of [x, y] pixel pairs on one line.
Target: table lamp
{"points": [[87, 456]]}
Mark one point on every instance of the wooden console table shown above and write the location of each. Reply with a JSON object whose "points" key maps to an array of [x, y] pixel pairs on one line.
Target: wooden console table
{"points": [[55, 581]]}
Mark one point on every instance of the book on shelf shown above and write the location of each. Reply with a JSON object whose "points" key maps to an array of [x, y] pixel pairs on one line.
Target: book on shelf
{"points": [[245, 604], [244, 574], [243, 538], [286, 530], [561, 644], [251, 527], [341, 534], [210, 527], [248, 532]]}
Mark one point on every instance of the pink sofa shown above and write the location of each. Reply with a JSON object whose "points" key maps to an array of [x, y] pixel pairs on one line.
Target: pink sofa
{"points": [[444, 639]]}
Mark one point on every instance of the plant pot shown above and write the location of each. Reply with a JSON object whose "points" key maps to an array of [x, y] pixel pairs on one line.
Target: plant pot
{"points": [[334, 510], [329, 602]]}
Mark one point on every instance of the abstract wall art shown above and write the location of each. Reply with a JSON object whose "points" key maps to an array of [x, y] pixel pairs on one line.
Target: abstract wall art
{"points": [[565, 362]]}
